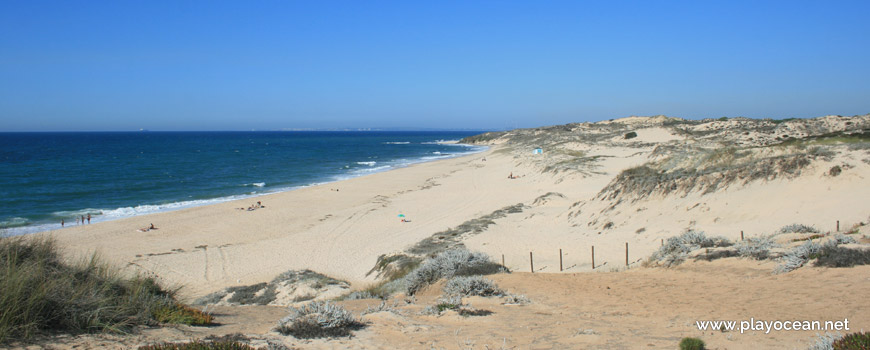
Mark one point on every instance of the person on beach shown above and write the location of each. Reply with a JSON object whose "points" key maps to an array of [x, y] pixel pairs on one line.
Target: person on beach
{"points": [[89, 219], [61, 222], [83, 219], [152, 227]]}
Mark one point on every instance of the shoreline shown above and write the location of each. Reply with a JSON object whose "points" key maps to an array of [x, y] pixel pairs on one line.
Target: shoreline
{"points": [[179, 250], [148, 209]]}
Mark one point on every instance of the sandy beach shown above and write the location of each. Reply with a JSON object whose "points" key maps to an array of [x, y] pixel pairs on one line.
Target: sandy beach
{"points": [[340, 229]]}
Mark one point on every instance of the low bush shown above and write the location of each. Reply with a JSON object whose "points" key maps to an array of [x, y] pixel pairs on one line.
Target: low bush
{"points": [[833, 256], [797, 228], [39, 292], [825, 341], [692, 344], [317, 320], [799, 256], [450, 302], [472, 285], [757, 248], [457, 262], [516, 299], [676, 248], [853, 341]]}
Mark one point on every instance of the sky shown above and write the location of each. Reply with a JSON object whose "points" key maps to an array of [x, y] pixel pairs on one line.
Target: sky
{"points": [[485, 65]]}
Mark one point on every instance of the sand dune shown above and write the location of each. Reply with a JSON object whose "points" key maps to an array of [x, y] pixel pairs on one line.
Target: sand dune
{"points": [[594, 185]]}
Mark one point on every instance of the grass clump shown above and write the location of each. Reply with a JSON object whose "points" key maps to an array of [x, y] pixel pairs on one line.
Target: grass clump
{"points": [[39, 292], [853, 341], [692, 344], [318, 319], [457, 262], [472, 285]]}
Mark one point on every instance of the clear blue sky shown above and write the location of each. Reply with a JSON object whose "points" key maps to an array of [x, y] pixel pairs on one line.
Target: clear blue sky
{"points": [[219, 65]]}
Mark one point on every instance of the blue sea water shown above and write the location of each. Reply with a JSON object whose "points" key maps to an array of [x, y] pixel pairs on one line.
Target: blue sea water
{"points": [[49, 177]]}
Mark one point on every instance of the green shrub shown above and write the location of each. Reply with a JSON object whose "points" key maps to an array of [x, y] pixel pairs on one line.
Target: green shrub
{"points": [[40, 293], [854, 341], [692, 344]]}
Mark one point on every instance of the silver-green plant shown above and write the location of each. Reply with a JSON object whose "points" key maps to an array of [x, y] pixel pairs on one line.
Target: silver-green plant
{"points": [[472, 285], [318, 319]]}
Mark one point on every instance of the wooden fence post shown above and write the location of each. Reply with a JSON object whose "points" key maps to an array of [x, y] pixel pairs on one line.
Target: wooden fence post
{"points": [[593, 257], [532, 262], [560, 259], [838, 225], [502, 261], [626, 253], [741, 235]]}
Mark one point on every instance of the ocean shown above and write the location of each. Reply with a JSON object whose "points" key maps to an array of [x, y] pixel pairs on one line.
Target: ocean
{"points": [[49, 177]]}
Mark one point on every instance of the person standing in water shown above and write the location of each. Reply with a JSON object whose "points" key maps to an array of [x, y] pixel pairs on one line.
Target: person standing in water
{"points": [[89, 218], [61, 222]]}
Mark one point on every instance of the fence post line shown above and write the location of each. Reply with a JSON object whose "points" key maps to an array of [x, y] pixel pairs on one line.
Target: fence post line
{"points": [[532, 262], [560, 259], [626, 253], [593, 257]]}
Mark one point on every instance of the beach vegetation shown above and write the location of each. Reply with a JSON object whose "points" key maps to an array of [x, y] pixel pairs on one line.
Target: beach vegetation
{"points": [[797, 228], [235, 341], [266, 293], [853, 341], [516, 299], [40, 293], [825, 341], [472, 285], [383, 306], [394, 266], [757, 248], [676, 249], [451, 238], [455, 262], [798, 256], [199, 345], [318, 319], [834, 256], [481, 138], [630, 135], [689, 343]]}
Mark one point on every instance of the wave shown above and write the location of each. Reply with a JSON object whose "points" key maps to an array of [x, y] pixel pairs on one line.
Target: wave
{"points": [[397, 143], [19, 226], [443, 143], [14, 222]]}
